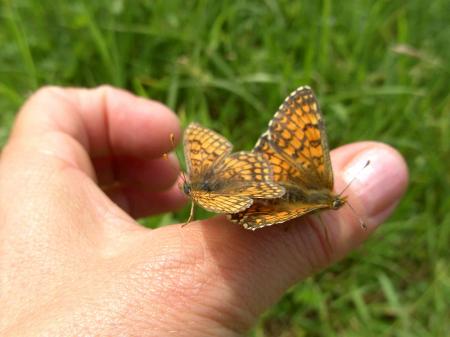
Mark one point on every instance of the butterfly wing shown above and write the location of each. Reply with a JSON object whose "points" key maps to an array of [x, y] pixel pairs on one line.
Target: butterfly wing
{"points": [[284, 172], [202, 148], [224, 183], [297, 150], [221, 203], [297, 133], [234, 182], [269, 212], [264, 213], [246, 174]]}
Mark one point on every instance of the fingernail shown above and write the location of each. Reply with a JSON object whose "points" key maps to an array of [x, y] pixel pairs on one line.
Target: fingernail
{"points": [[380, 185]]}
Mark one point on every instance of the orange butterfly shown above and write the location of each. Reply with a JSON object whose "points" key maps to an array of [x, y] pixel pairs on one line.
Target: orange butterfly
{"points": [[222, 182], [296, 147]]}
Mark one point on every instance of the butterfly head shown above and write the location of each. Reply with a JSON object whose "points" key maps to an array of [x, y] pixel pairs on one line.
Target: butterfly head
{"points": [[186, 187], [338, 201]]}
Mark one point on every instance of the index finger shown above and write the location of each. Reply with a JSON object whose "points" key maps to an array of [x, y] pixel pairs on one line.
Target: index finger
{"points": [[106, 121]]}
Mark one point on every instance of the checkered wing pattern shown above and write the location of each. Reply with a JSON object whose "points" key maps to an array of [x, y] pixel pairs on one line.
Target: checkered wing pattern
{"points": [[297, 133], [282, 169], [219, 203], [222, 182], [202, 149], [296, 148], [247, 174], [264, 213]]}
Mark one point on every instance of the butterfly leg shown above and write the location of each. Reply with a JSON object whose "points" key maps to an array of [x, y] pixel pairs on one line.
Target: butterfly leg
{"points": [[191, 215]]}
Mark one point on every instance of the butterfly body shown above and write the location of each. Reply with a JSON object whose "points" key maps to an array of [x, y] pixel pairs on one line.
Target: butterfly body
{"points": [[204, 186], [221, 181], [321, 198], [296, 147]]}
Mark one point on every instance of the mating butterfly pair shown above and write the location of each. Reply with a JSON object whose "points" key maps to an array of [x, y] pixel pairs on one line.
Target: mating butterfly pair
{"points": [[288, 173]]}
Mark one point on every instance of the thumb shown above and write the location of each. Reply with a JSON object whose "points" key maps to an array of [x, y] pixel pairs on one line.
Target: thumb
{"points": [[255, 268]]}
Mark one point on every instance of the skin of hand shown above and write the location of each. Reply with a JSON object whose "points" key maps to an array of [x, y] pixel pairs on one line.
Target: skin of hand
{"points": [[81, 164]]}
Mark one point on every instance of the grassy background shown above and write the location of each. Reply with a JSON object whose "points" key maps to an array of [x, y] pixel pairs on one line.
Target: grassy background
{"points": [[380, 69]]}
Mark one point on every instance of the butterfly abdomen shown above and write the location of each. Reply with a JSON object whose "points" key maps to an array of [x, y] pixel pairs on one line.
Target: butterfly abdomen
{"points": [[319, 197], [206, 186]]}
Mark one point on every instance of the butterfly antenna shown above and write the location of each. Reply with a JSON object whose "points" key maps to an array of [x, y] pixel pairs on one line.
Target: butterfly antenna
{"points": [[354, 178], [174, 146], [361, 221], [183, 177]]}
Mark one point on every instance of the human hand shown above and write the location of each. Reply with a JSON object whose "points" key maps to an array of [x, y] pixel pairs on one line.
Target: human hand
{"points": [[73, 263]]}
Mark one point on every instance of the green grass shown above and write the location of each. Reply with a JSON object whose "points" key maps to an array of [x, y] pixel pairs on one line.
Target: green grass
{"points": [[381, 72]]}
